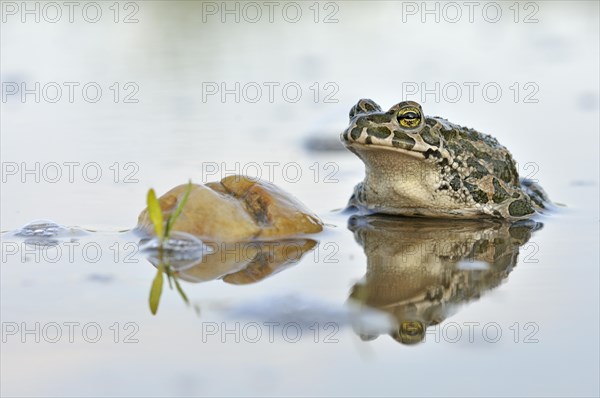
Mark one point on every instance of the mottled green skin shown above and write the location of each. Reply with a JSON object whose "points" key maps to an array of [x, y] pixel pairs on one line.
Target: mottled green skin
{"points": [[436, 169]]}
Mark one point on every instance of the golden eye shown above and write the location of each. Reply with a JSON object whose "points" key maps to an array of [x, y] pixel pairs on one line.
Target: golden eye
{"points": [[409, 117], [410, 332]]}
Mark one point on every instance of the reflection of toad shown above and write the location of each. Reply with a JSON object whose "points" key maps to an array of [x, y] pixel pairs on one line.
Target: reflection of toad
{"points": [[419, 269]]}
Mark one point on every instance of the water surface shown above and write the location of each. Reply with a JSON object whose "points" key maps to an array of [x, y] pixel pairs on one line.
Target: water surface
{"points": [[544, 303]]}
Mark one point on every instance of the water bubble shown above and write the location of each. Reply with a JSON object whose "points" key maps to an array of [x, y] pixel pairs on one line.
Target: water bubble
{"points": [[181, 251], [40, 228]]}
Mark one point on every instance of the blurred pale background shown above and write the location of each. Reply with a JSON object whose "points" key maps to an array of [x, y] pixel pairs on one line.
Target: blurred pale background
{"points": [[547, 115]]}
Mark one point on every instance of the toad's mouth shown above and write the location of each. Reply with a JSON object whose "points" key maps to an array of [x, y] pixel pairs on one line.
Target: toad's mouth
{"points": [[403, 143], [391, 140], [408, 149]]}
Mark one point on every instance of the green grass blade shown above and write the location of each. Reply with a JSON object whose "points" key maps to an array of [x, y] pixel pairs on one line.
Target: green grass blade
{"points": [[155, 214], [156, 290], [178, 210]]}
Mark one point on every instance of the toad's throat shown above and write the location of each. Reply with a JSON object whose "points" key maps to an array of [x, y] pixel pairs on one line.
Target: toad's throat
{"points": [[394, 175]]}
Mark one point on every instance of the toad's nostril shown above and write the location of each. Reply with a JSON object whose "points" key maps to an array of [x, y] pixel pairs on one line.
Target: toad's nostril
{"points": [[364, 106]]}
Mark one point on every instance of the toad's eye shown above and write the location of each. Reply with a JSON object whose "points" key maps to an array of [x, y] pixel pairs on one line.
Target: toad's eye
{"points": [[409, 118]]}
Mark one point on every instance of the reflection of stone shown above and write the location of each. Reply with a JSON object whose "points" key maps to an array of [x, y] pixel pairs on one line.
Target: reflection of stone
{"points": [[270, 258], [418, 270], [236, 209], [243, 262]]}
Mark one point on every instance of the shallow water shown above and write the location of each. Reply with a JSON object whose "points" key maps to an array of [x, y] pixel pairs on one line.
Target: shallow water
{"points": [[508, 325]]}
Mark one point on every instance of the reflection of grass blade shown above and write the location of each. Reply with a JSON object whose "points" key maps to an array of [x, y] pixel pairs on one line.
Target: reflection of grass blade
{"points": [[171, 220], [169, 275], [156, 289], [180, 290], [155, 214], [197, 309]]}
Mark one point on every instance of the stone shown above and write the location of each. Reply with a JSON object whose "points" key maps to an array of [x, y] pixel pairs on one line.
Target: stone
{"points": [[236, 208]]}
